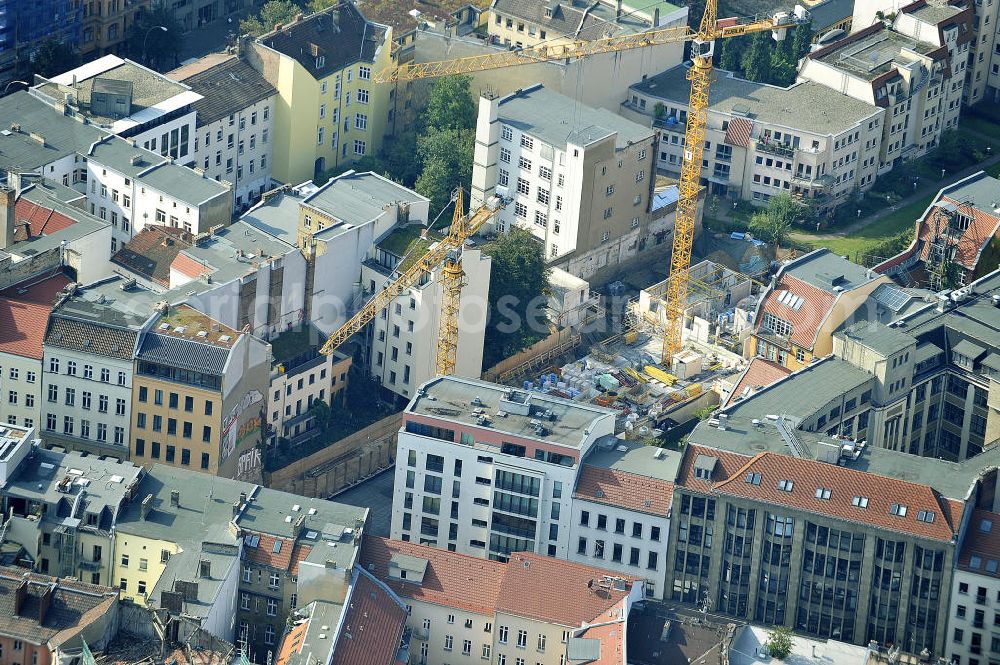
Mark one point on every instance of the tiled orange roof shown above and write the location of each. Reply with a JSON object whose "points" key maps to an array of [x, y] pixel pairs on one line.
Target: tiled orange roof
{"points": [[288, 557], [626, 490], [844, 485], [452, 580], [983, 541], [189, 266], [24, 316], [556, 591], [372, 628], [807, 319], [760, 373], [612, 637], [970, 243], [529, 585], [33, 220], [292, 642]]}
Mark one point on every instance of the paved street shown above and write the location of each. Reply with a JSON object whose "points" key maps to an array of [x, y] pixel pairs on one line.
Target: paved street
{"points": [[376, 494]]}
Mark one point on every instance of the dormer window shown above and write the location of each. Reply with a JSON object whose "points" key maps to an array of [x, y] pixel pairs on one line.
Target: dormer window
{"points": [[548, 12], [320, 61]]}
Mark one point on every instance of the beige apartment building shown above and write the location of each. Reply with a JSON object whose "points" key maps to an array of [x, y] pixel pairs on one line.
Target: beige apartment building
{"points": [[579, 178], [914, 69], [759, 143], [982, 70]]}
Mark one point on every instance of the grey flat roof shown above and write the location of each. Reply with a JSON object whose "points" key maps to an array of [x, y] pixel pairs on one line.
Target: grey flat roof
{"points": [[278, 216], [826, 270], [102, 482], [825, 14], [556, 119], [358, 198], [871, 56], [981, 190], [269, 510], [63, 135], [638, 459], [975, 318], [748, 641], [802, 393], [830, 112], [450, 399], [878, 336]]}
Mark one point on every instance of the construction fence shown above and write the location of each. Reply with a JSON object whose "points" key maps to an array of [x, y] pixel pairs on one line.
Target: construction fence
{"points": [[343, 463]]}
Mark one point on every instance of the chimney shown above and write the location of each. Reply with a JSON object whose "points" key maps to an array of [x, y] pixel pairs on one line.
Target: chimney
{"points": [[297, 527], [21, 594], [8, 219], [236, 508], [146, 506], [175, 499], [44, 602]]}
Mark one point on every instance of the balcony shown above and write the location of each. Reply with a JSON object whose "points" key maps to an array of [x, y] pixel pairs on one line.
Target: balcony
{"points": [[670, 124], [775, 148], [90, 566]]}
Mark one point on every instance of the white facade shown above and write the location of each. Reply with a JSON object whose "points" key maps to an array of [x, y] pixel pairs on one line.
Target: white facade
{"points": [[404, 339], [585, 197], [621, 540], [292, 392], [86, 399], [20, 390], [237, 149], [973, 636]]}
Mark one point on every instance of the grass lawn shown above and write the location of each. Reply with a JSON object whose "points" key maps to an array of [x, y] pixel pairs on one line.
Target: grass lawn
{"points": [[982, 125], [881, 229]]}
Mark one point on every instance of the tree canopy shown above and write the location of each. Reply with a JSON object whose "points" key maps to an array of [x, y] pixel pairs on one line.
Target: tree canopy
{"points": [[272, 13], [774, 222], [779, 642], [151, 45], [759, 58], [54, 57], [450, 104], [519, 279]]}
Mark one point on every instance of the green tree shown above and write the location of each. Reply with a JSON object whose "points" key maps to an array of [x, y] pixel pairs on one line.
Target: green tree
{"points": [[757, 58], [446, 156], [320, 5], [519, 279], [782, 69], [151, 44], [398, 157], [731, 54], [801, 40], [321, 412], [272, 13], [779, 642], [774, 222], [450, 104], [54, 57]]}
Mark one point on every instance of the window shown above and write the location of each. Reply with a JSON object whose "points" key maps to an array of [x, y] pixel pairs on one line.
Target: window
{"points": [[359, 147], [860, 502], [506, 133], [361, 121], [785, 485], [823, 493], [505, 155], [502, 635], [524, 163], [897, 509]]}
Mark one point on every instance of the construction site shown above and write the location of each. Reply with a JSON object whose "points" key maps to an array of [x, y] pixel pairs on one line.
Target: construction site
{"points": [[626, 371]]}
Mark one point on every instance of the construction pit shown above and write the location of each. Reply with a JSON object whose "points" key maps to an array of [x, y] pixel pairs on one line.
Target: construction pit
{"points": [[625, 373]]}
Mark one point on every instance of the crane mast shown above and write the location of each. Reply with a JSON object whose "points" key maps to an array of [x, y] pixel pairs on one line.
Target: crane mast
{"points": [[448, 250]]}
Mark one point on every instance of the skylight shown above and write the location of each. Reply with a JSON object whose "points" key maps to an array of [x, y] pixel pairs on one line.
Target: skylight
{"points": [[785, 485], [898, 510], [823, 493], [860, 501]]}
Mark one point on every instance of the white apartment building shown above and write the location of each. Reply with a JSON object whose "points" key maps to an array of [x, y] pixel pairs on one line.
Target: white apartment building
{"points": [[301, 375], [125, 98], [915, 70], [759, 143], [234, 124], [87, 377], [974, 615], [463, 608], [977, 21], [580, 179], [621, 511], [401, 343], [486, 470]]}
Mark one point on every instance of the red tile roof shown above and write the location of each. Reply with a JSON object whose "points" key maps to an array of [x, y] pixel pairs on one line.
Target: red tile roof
{"points": [[292, 642], [452, 580], [556, 591], [970, 243], [807, 319], [844, 484], [33, 220], [288, 556], [24, 316], [982, 543], [627, 490], [529, 585], [189, 266], [372, 628], [760, 373]]}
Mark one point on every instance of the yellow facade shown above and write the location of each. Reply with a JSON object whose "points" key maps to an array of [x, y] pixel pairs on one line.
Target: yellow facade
{"points": [[157, 403], [327, 123], [138, 564]]}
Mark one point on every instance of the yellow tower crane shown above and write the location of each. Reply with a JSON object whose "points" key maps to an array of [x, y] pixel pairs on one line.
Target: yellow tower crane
{"points": [[447, 250], [700, 74]]}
